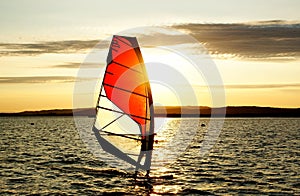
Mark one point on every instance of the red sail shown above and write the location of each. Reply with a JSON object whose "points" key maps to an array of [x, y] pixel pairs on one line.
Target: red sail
{"points": [[126, 82]]}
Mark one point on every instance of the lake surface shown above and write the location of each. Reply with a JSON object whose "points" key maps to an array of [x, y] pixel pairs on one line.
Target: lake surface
{"points": [[251, 156]]}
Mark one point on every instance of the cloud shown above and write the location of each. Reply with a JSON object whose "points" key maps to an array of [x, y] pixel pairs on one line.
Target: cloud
{"points": [[41, 79], [67, 65], [163, 39], [76, 65], [36, 79], [66, 46], [268, 39], [77, 46], [254, 86], [262, 86]]}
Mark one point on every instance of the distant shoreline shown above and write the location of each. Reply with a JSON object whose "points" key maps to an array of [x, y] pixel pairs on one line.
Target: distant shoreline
{"points": [[177, 111]]}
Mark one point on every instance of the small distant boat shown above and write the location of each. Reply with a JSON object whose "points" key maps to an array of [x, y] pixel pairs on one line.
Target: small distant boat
{"points": [[126, 86]]}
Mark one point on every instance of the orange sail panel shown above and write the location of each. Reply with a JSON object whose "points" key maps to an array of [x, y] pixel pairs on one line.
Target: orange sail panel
{"points": [[126, 82]]}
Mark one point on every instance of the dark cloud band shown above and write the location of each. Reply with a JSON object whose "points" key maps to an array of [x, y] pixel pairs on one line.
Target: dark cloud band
{"points": [[41, 79], [271, 39], [69, 46]]}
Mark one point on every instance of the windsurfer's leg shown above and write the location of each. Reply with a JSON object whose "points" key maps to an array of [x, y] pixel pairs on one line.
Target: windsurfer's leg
{"points": [[148, 173], [138, 162], [147, 163], [135, 175]]}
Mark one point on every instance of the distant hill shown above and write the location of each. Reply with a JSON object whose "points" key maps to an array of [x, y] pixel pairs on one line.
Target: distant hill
{"points": [[55, 112], [230, 111], [177, 111]]}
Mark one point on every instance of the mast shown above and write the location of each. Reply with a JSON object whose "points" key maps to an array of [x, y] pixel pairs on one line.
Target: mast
{"points": [[149, 93]]}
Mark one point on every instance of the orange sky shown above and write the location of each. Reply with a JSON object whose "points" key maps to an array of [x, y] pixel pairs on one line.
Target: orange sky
{"points": [[42, 46]]}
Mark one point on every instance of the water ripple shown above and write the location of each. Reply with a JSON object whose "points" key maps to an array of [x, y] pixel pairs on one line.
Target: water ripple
{"points": [[252, 156]]}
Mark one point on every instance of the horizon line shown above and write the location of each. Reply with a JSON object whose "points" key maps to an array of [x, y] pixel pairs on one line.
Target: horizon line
{"points": [[186, 106]]}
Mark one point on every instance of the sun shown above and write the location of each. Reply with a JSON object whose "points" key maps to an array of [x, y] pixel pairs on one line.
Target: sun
{"points": [[174, 78]]}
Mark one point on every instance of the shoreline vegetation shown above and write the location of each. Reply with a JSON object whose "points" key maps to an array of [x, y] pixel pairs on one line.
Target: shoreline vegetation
{"points": [[179, 111]]}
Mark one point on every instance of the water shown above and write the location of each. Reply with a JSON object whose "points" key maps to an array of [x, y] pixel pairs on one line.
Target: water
{"points": [[251, 156]]}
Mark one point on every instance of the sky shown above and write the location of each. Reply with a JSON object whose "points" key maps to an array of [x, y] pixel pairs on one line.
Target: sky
{"points": [[255, 46]]}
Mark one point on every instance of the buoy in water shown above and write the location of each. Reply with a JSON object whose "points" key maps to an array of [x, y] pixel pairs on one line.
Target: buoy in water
{"points": [[202, 125], [31, 123]]}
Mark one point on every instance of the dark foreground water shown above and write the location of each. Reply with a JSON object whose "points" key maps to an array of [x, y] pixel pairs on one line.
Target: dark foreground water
{"points": [[251, 156]]}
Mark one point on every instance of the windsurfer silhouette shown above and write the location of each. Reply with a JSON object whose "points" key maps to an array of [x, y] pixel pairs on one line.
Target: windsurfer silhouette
{"points": [[146, 149]]}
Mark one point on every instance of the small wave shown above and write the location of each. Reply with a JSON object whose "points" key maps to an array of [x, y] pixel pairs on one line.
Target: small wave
{"points": [[195, 191], [101, 171]]}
